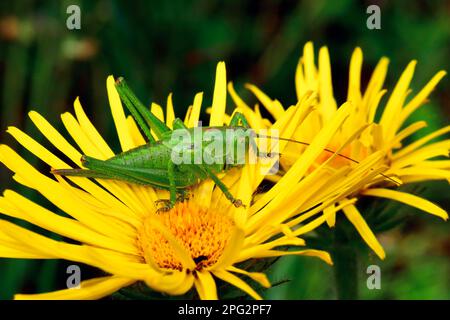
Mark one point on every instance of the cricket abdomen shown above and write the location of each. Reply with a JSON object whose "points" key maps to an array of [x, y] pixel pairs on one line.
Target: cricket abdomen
{"points": [[151, 155]]}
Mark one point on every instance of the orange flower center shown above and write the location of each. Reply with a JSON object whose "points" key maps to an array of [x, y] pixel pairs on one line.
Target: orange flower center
{"points": [[203, 233]]}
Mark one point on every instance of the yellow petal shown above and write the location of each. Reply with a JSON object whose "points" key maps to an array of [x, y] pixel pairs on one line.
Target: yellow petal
{"points": [[257, 250], [330, 212], [158, 113], [373, 93], [17, 206], [420, 98], [118, 114], [89, 290], [229, 256], [175, 283], [302, 164], [98, 193], [353, 215], [417, 144], [91, 131], [328, 103], [408, 199], [274, 107], [235, 97], [422, 173], [323, 255], [309, 65], [206, 286], [170, 113], [394, 105], [109, 261], [354, 86], [411, 129], [300, 85], [259, 277], [237, 282], [195, 113], [220, 96], [56, 193], [430, 151], [136, 135]]}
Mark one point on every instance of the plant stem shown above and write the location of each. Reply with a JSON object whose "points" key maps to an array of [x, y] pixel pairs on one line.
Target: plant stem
{"points": [[345, 258]]}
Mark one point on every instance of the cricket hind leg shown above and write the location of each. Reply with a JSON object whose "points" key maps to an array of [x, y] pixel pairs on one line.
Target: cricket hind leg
{"points": [[127, 175], [97, 169], [80, 173]]}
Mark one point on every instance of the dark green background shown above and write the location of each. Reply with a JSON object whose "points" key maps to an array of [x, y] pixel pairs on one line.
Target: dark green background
{"points": [[173, 46]]}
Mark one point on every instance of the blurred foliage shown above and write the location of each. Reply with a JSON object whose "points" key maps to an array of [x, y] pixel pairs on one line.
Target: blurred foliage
{"points": [[173, 46]]}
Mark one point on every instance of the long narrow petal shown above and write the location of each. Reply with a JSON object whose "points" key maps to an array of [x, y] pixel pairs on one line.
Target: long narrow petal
{"points": [[170, 113], [118, 114], [323, 255], [56, 193], [355, 217], [237, 282], [207, 286], [107, 260], [195, 113], [89, 290], [156, 110], [373, 93], [307, 158], [136, 135], [394, 105], [66, 148], [408, 199], [15, 205], [234, 245], [417, 144], [421, 97], [220, 96], [354, 86], [273, 106], [91, 131], [309, 65], [328, 103]]}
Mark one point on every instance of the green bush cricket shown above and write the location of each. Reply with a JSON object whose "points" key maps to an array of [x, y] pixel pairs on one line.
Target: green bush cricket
{"points": [[152, 164]]}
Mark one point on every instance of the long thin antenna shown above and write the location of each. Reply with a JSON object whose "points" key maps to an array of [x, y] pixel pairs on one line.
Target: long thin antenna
{"points": [[326, 149]]}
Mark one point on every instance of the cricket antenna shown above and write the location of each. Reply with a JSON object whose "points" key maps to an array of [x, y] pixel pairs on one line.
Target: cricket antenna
{"points": [[325, 149]]}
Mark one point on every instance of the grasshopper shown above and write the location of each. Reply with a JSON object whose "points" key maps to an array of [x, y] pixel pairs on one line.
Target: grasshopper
{"points": [[152, 164]]}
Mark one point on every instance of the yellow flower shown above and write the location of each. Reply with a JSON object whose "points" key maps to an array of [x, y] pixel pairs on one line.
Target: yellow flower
{"points": [[403, 164], [118, 230]]}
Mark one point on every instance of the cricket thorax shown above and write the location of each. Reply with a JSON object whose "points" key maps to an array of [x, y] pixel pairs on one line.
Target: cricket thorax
{"points": [[203, 233]]}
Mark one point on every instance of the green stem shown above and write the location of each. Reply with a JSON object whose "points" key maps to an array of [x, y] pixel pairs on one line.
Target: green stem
{"points": [[345, 258]]}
